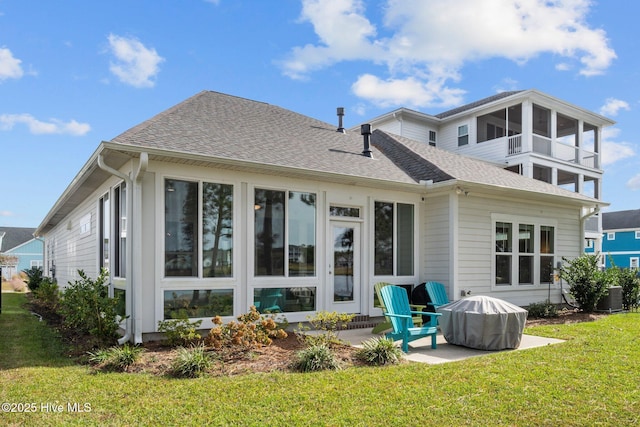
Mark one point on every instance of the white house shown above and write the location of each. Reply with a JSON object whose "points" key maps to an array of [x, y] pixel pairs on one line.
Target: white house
{"points": [[527, 132], [220, 203]]}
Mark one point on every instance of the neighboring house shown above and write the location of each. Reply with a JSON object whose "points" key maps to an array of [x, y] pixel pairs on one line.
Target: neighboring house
{"points": [[527, 132], [620, 239], [19, 245], [220, 203]]}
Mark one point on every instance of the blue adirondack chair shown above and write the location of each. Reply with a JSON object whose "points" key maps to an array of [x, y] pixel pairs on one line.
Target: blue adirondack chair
{"points": [[396, 303], [437, 294]]}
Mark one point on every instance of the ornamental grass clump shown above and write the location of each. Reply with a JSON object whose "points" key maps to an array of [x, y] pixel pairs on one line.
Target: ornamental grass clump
{"points": [[316, 358], [379, 351], [116, 357], [191, 362]]}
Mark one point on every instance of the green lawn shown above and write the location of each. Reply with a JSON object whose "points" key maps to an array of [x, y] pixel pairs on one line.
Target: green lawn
{"points": [[592, 379]]}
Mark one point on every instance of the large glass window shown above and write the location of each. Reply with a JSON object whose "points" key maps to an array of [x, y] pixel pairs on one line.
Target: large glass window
{"points": [[120, 229], [284, 223], [181, 228], [504, 249], [284, 300], [186, 233], [104, 229], [195, 303], [217, 230], [393, 234], [526, 258]]}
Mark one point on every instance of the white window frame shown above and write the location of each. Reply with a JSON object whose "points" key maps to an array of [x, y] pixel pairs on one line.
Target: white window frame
{"points": [[611, 235], [465, 134], [515, 222], [634, 262], [432, 141], [85, 224], [638, 234]]}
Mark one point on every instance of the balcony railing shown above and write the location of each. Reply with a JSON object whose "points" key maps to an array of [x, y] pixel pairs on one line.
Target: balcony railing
{"points": [[557, 150]]}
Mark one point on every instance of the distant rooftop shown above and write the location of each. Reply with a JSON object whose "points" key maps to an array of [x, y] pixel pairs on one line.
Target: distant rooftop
{"points": [[621, 220], [478, 103]]}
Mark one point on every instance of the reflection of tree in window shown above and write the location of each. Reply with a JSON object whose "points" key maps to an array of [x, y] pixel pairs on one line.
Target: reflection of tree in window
{"points": [[269, 232], [301, 214], [181, 238], [217, 230], [383, 238], [343, 263]]}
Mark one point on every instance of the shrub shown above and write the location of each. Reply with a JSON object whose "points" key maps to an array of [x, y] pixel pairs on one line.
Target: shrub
{"points": [[379, 351], [542, 310], [586, 282], [191, 362], [34, 277], [316, 358], [87, 308], [630, 282], [329, 324], [118, 358], [47, 294], [252, 330], [179, 331]]}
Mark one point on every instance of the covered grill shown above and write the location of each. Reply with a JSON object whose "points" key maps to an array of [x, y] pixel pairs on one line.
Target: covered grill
{"points": [[483, 323]]}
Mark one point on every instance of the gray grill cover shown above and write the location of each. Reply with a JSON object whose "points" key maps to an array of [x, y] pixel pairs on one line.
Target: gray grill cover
{"points": [[483, 323]]}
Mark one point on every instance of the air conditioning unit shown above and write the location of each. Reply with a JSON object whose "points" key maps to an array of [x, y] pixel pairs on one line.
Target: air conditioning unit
{"points": [[612, 300]]}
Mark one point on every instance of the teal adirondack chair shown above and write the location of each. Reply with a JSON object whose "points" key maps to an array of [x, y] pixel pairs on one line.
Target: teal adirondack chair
{"points": [[396, 303], [386, 324], [437, 294]]}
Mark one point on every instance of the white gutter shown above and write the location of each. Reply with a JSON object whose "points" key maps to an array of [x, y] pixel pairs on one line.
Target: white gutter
{"points": [[134, 270]]}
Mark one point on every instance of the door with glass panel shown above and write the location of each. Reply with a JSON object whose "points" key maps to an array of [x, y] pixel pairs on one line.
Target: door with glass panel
{"points": [[344, 267]]}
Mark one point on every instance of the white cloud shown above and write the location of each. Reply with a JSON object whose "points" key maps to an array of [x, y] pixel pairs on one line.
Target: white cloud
{"points": [[634, 183], [9, 66], [37, 127], [613, 151], [134, 64], [612, 106], [431, 41], [6, 213]]}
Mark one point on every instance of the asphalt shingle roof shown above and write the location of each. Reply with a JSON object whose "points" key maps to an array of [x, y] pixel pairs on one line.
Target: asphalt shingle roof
{"points": [[216, 125], [478, 103], [621, 220], [15, 236]]}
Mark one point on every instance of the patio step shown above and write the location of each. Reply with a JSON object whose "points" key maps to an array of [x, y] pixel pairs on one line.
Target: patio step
{"points": [[363, 322]]}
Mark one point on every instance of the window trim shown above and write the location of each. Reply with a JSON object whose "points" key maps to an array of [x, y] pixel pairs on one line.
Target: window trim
{"points": [[638, 234], [432, 141], [611, 235], [515, 222], [415, 251], [466, 134]]}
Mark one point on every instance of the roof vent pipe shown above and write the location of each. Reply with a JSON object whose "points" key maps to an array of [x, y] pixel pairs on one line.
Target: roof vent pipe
{"points": [[340, 111], [365, 131]]}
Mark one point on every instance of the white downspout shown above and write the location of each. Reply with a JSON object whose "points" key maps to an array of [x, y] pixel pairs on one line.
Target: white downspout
{"points": [[135, 268], [583, 220], [144, 159]]}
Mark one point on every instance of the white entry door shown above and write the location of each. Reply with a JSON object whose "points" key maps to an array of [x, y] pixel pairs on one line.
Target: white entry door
{"points": [[344, 267]]}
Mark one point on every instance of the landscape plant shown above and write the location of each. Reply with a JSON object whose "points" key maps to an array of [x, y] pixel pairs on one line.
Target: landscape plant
{"points": [[379, 351], [587, 283], [250, 331], [180, 331], [34, 277], [116, 357], [47, 294], [542, 310], [87, 308], [191, 362], [327, 326], [629, 281], [317, 357]]}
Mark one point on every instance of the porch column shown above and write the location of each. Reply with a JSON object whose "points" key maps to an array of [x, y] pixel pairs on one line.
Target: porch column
{"points": [[527, 169], [554, 176], [579, 147], [580, 184], [527, 126], [554, 132]]}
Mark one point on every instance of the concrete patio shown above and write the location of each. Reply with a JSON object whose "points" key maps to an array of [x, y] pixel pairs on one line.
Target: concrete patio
{"points": [[420, 350]]}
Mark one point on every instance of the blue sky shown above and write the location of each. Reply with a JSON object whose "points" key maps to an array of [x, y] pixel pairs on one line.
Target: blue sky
{"points": [[75, 73]]}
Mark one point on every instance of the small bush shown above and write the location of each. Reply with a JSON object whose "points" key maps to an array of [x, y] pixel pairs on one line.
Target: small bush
{"points": [[316, 358], [47, 294], [252, 330], [87, 308], [379, 351], [630, 282], [34, 277], [117, 358], [179, 331], [329, 324], [586, 282], [542, 310], [191, 362]]}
